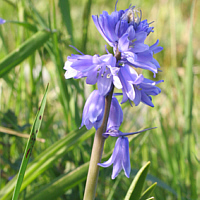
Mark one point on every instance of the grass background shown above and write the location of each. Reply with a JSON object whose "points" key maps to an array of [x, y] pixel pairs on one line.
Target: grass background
{"points": [[173, 148]]}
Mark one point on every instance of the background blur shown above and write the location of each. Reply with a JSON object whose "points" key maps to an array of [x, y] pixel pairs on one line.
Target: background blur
{"points": [[173, 148]]}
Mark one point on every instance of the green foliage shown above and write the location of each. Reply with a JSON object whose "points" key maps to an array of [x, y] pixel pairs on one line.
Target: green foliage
{"points": [[31, 141], [21, 53], [34, 45], [134, 192]]}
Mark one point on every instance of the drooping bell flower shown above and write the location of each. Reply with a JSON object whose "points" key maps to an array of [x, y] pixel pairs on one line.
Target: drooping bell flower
{"points": [[93, 110]]}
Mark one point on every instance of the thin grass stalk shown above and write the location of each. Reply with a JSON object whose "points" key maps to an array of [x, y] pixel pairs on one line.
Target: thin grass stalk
{"points": [[97, 149], [86, 19], [189, 137]]}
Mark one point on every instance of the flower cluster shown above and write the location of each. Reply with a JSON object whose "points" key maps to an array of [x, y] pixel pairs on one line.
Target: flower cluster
{"points": [[126, 33]]}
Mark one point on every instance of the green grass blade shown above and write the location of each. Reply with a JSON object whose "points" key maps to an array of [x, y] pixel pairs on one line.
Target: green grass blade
{"points": [[25, 50], [135, 189], [47, 158], [66, 17], [148, 192], [189, 141], [29, 147], [189, 77], [86, 19], [26, 25], [60, 185]]}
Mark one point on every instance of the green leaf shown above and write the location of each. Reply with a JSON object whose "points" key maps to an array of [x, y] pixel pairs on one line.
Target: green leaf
{"points": [[47, 158], [60, 185], [86, 19], [25, 25], [148, 191], [25, 50], [189, 77], [65, 11], [135, 189], [29, 147]]}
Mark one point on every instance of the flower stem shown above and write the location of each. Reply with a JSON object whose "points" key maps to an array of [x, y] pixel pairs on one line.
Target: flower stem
{"points": [[97, 149]]}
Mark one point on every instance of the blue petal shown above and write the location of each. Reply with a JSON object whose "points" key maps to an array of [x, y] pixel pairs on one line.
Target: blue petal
{"points": [[93, 110], [115, 116], [146, 99], [137, 97], [126, 158], [123, 43], [104, 83], [117, 162]]}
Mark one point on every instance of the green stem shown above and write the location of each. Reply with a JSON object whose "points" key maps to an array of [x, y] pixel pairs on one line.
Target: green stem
{"points": [[97, 149]]}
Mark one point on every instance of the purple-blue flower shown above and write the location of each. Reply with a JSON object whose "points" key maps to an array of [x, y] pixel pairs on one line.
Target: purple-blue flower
{"points": [[114, 26], [144, 90], [93, 110], [2, 21], [115, 115], [97, 69], [128, 78], [120, 158], [135, 87], [126, 33]]}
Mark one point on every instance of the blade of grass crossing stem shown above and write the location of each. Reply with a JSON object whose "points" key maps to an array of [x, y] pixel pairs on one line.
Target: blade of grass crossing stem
{"points": [[29, 147], [135, 189], [65, 11], [148, 192], [189, 137], [25, 50]]}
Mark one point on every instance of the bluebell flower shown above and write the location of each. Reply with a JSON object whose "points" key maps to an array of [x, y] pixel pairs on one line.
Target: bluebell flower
{"points": [[2, 21], [98, 69], [126, 33], [120, 157], [115, 115], [135, 87], [128, 78], [114, 26], [145, 90], [93, 110]]}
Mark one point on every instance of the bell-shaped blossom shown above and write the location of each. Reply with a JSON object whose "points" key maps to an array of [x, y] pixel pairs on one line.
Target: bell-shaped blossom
{"points": [[136, 88], [126, 33], [128, 78], [2, 21], [98, 69], [144, 90], [120, 158], [114, 26], [93, 110], [115, 115]]}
